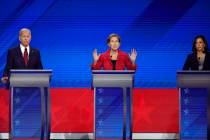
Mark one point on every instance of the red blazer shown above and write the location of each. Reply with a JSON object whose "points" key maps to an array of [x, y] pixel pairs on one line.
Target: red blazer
{"points": [[123, 62]]}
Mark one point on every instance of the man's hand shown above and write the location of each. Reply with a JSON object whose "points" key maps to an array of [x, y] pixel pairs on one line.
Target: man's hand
{"points": [[5, 79]]}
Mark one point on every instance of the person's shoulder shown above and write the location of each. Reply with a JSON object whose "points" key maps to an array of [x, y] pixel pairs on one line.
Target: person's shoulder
{"points": [[32, 49], [14, 49], [104, 54], [190, 55], [122, 53], [208, 54]]}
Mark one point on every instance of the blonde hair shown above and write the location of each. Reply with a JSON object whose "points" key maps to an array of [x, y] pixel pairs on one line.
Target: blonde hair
{"points": [[112, 35]]}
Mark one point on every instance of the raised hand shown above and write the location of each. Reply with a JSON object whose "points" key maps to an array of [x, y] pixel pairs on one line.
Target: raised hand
{"points": [[133, 55], [95, 55], [4, 80]]}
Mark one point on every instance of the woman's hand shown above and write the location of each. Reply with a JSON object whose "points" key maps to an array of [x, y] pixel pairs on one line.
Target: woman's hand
{"points": [[133, 55], [95, 55]]}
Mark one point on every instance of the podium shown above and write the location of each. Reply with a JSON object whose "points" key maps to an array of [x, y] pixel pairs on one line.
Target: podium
{"points": [[194, 92], [112, 104], [29, 104]]}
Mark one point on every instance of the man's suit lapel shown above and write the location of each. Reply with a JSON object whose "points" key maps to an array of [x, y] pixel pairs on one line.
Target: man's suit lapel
{"points": [[31, 53], [20, 56]]}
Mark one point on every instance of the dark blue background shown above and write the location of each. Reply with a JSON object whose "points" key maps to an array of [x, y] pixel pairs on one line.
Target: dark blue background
{"points": [[67, 31]]}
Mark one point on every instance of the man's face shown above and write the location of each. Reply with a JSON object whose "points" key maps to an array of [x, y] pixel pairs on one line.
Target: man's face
{"points": [[25, 38]]}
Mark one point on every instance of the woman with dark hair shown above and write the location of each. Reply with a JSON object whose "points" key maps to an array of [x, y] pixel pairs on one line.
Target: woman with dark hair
{"points": [[199, 59], [113, 58]]}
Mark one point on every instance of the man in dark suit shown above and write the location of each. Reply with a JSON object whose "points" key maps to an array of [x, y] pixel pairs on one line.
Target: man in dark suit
{"points": [[22, 56]]}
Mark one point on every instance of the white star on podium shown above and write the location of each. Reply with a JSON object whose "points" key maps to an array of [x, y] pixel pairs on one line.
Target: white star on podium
{"points": [[186, 101], [100, 90], [17, 122], [186, 112], [17, 100], [100, 122], [100, 100], [186, 90]]}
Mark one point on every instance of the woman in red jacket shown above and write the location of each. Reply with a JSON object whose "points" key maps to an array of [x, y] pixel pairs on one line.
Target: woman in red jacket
{"points": [[113, 58]]}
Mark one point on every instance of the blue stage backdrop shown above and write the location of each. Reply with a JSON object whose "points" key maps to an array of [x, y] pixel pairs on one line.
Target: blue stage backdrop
{"points": [[67, 31]]}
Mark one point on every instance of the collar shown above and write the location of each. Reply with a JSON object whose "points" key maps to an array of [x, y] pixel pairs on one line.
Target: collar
{"points": [[22, 48], [109, 50]]}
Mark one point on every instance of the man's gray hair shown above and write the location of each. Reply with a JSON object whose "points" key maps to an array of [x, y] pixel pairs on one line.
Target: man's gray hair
{"points": [[24, 29]]}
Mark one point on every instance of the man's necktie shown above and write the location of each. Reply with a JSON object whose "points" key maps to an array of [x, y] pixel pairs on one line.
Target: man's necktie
{"points": [[26, 56]]}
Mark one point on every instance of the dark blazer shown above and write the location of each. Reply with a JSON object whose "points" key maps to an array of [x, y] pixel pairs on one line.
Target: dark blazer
{"points": [[123, 62], [15, 60], [191, 62]]}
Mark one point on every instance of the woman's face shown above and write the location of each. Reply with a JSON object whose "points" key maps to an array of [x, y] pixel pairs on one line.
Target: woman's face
{"points": [[199, 44], [114, 43]]}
